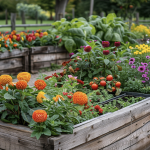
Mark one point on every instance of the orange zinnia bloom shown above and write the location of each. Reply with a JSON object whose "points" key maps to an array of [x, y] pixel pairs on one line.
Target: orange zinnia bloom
{"points": [[21, 84], [15, 45], [24, 76], [5, 79], [39, 116], [40, 84], [80, 98]]}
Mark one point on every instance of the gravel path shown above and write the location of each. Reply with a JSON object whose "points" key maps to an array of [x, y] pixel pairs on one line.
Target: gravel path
{"points": [[34, 76]]}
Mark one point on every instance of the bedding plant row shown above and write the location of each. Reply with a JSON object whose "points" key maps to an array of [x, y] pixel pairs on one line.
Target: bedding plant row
{"points": [[71, 34]]}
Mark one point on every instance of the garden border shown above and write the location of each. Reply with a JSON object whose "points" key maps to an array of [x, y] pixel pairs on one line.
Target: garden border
{"points": [[123, 129]]}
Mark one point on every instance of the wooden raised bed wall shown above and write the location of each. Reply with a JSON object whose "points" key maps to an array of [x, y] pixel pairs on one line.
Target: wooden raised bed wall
{"points": [[14, 62], [44, 56], [125, 129]]}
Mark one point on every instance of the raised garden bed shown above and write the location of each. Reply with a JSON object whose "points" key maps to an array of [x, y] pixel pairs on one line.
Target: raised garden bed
{"points": [[127, 128], [44, 56], [14, 62]]}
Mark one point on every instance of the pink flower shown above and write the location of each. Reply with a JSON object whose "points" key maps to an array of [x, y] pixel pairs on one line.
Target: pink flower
{"points": [[70, 76]]}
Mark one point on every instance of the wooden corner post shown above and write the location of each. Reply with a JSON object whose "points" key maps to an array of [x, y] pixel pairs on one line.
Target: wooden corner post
{"points": [[13, 21]]}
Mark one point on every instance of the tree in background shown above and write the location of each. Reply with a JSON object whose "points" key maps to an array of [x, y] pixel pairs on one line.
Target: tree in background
{"points": [[129, 7]]}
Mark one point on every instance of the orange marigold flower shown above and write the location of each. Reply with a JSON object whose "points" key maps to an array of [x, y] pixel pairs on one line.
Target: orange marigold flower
{"points": [[21, 84], [40, 84], [7, 88], [58, 97], [45, 33], [15, 45], [39, 116], [80, 98], [14, 37], [5, 79], [6, 45], [24, 76], [12, 83], [40, 96], [37, 34], [13, 32]]}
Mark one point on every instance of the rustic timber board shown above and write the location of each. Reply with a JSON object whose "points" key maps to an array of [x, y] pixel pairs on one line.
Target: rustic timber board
{"points": [[14, 62], [125, 129], [43, 56]]}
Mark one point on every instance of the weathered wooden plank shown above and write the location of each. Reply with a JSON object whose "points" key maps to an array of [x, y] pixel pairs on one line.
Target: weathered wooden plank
{"points": [[132, 139], [48, 57], [100, 126], [12, 71], [11, 63], [108, 139], [42, 49], [14, 53]]}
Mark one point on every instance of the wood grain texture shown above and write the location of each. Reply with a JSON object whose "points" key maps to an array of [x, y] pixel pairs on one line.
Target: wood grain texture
{"points": [[125, 129], [14, 53], [12, 71], [11, 63], [102, 126]]}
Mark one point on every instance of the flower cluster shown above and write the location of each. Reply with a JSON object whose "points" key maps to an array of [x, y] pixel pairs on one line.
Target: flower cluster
{"points": [[80, 98]]}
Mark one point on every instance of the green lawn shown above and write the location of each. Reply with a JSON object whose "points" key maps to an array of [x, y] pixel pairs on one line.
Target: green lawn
{"points": [[2, 22]]}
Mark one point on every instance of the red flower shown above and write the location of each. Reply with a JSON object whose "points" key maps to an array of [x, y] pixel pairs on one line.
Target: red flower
{"points": [[117, 44], [80, 81], [55, 74], [106, 52], [47, 77], [87, 48], [105, 43], [100, 111], [80, 112], [75, 60], [97, 107], [69, 96], [77, 69], [62, 74], [65, 93]]}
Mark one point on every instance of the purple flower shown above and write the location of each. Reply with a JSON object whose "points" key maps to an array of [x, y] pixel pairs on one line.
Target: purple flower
{"points": [[141, 68], [131, 63], [149, 62], [70, 54], [132, 59], [143, 81], [147, 78], [145, 64], [147, 69], [81, 46], [148, 57], [114, 52], [95, 40], [133, 66], [119, 61], [105, 43], [144, 75], [146, 72], [90, 41]]}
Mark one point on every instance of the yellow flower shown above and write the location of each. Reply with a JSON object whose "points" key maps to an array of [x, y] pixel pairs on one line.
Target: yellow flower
{"points": [[0, 45], [40, 97], [45, 33], [22, 38], [130, 47], [140, 53], [58, 97]]}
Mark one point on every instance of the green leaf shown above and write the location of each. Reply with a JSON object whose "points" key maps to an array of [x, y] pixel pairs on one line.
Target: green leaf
{"points": [[6, 121], [108, 35], [100, 34], [2, 108], [4, 114], [54, 117], [106, 61], [97, 71], [37, 134], [9, 106], [26, 117], [108, 71], [70, 45], [8, 96], [47, 132], [110, 17], [76, 32], [116, 37]]}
